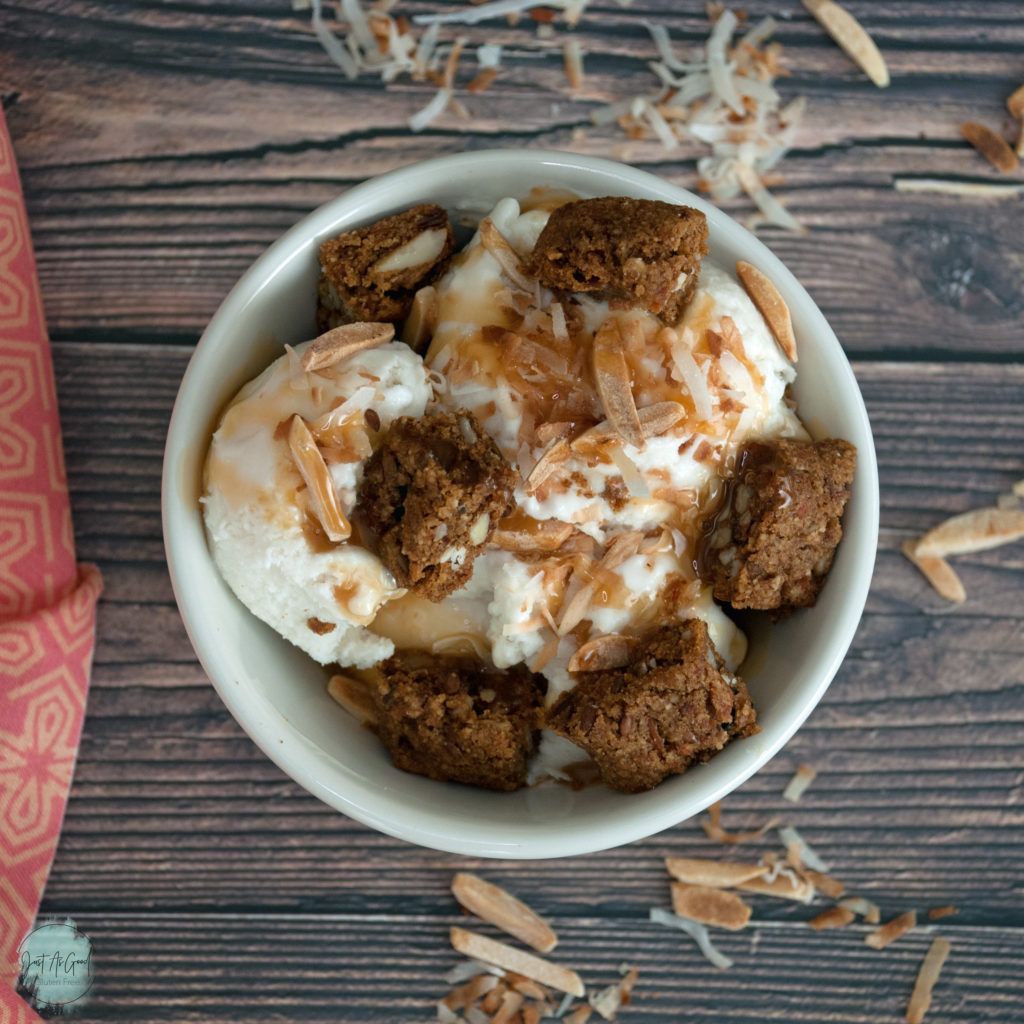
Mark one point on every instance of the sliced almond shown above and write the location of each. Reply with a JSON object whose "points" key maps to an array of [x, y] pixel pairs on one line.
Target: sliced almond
{"points": [[493, 904], [710, 906], [977, 530], [714, 830], [891, 930], [797, 786], [656, 419], [781, 886], [555, 454], [1015, 102], [322, 497], [844, 28], [931, 966], [421, 322], [994, 148], [354, 696], [602, 653], [771, 305], [834, 917], [344, 341], [614, 387], [826, 884], [938, 572], [576, 610], [718, 874], [545, 655], [508, 259], [547, 432], [500, 954], [861, 906], [541, 535], [623, 546]]}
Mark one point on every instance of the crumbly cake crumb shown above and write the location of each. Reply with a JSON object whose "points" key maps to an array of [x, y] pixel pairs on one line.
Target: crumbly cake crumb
{"points": [[431, 495], [373, 273], [456, 719], [772, 542], [639, 251], [673, 705]]}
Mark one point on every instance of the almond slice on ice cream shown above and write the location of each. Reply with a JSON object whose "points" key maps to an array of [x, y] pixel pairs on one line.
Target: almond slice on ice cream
{"points": [[543, 535], [508, 259], [931, 966], [500, 908], [601, 653], [994, 148], [851, 35], [354, 696], [710, 906], [977, 530], [310, 464], [656, 419], [938, 572], [771, 305], [717, 874], [614, 387], [344, 341], [500, 954]]}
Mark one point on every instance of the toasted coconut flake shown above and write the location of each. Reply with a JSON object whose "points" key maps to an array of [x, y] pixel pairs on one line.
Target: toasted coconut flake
{"points": [[614, 387], [891, 930], [545, 535], [421, 322], [576, 610], [718, 874], [341, 342], [311, 466], [332, 45], [601, 653], [773, 210], [797, 786], [790, 837], [656, 419], [468, 968], [852, 37], [696, 931], [608, 1000], [936, 912], [974, 189], [994, 148], [477, 986], [714, 830], [479, 947], [938, 572], [834, 917], [631, 475], [434, 109], [493, 904], [580, 1015], [859, 905], [931, 967], [710, 906], [573, 56], [510, 1004], [622, 547], [553, 457], [689, 375], [824, 883], [508, 259], [782, 886], [545, 655], [977, 530], [354, 696], [771, 305]]}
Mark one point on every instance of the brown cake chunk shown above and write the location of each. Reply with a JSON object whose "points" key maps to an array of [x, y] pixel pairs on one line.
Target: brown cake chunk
{"points": [[373, 273], [431, 495], [772, 541], [641, 250], [457, 719], [675, 704]]}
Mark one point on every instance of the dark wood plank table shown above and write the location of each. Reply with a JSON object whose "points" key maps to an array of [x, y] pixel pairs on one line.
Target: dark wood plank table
{"points": [[163, 145]]}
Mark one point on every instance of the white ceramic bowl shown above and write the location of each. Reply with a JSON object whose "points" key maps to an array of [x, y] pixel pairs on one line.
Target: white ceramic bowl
{"points": [[278, 694]]}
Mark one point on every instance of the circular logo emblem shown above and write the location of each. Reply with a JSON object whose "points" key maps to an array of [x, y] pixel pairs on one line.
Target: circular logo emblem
{"points": [[54, 965]]}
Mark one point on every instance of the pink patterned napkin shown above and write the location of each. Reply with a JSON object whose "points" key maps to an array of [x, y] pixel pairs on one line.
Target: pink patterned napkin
{"points": [[47, 602]]}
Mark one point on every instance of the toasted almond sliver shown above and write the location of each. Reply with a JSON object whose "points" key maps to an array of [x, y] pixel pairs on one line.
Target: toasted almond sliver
{"points": [[554, 455], [601, 653], [1015, 102], [977, 530], [710, 906], [797, 786], [782, 886], [844, 28], [826, 884], [938, 572], [479, 947], [891, 930], [354, 696], [493, 904], [310, 464], [547, 535], [611, 377], [834, 917], [341, 342], [656, 419], [577, 609], [994, 148], [936, 912], [501, 249], [713, 827], [715, 873], [931, 966], [771, 305]]}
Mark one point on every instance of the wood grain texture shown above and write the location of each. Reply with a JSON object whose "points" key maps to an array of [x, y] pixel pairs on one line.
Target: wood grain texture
{"points": [[162, 147]]}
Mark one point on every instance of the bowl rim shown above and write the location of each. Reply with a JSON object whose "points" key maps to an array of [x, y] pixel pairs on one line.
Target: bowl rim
{"points": [[295, 753]]}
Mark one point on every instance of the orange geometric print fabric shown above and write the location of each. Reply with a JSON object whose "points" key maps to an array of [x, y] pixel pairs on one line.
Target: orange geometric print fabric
{"points": [[47, 602]]}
